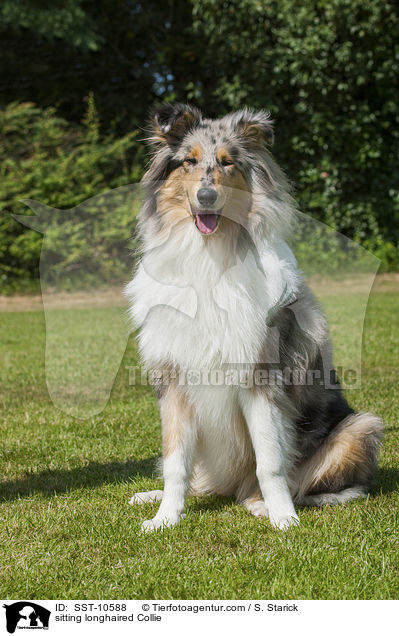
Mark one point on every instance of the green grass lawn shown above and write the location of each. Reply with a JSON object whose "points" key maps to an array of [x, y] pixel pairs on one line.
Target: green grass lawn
{"points": [[67, 530]]}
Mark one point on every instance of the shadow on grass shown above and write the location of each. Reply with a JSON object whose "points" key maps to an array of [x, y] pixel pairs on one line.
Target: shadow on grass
{"points": [[53, 482], [210, 503], [387, 481]]}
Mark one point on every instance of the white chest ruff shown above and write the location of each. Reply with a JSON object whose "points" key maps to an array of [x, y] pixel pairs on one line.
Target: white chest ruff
{"points": [[194, 313]]}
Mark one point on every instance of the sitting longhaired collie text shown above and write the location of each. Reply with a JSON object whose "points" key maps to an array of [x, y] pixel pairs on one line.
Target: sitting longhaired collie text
{"points": [[217, 297]]}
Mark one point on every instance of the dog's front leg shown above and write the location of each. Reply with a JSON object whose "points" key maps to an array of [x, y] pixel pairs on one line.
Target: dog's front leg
{"points": [[270, 433], [178, 447]]}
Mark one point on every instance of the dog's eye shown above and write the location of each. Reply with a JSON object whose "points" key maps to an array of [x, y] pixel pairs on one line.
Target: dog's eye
{"points": [[192, 160], [227, 162]]}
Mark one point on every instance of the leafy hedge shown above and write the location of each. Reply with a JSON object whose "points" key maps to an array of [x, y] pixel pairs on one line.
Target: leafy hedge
{"points": [[46, 159], [328, 71], [67, 166]]}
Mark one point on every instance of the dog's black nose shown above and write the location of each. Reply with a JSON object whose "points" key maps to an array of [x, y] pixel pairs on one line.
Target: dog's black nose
{"points": [[207, 196]]}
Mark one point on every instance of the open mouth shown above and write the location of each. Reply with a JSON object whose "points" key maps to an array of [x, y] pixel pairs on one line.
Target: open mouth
{"points": [[206, 220]]}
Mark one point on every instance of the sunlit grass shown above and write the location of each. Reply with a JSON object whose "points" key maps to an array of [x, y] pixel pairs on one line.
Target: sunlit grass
{"points": [[67, 530]]}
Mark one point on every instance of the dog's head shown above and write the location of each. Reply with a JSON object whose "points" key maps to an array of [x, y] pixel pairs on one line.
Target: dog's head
{"points": [[205, 170]]}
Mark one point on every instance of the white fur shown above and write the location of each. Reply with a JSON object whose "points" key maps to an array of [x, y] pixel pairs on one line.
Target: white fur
{"points": [[335, 498], [150, 496], [200, 307], [257, 508], [271, 435], [177, 469]]}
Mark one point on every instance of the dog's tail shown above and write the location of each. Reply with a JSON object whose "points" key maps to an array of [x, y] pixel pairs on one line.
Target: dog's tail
{"points": [[343, 467]]}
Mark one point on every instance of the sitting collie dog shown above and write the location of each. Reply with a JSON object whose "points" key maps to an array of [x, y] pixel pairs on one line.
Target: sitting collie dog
{"points": [[217, 290]]}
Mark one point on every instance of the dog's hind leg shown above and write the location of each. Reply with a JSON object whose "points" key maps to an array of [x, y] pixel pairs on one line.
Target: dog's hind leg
{"points": [[255, 505], [250, 496], [343, 467], [151, 496], [334, 498]]}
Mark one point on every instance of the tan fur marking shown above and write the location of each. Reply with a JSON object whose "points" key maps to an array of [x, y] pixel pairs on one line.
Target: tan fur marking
{"points": [[239, 199], [173, 204], [174, 412], [255, 504], [195, 153], [344, 455], [231, 177], [253, 131], [347, 457], [222, 154], [252, 500]]}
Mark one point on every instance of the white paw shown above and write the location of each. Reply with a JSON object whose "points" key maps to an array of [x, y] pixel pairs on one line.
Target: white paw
{"points": [[258, 509], [146, 497], [283, 522], [160, 523]]}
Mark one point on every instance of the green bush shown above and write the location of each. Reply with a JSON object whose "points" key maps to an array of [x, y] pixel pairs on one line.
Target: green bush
{"points": [[328, 71], [46, 159], [67, 167]]}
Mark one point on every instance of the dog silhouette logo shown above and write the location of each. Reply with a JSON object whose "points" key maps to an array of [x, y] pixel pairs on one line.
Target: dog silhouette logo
{"points": [[26, 615]]}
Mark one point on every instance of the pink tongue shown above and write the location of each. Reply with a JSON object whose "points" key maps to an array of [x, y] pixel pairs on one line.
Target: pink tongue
{"points": [[207, 223]]}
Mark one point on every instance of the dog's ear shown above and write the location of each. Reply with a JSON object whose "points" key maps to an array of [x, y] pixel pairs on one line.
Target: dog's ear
{"points": [[255, 126], [172, 121]]}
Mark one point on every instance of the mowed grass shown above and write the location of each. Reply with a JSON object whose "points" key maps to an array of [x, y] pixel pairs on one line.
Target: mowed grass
{"points": [[67, 530]]}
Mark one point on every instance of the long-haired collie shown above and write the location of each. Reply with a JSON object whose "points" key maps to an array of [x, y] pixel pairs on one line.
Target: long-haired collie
{"points": [[218, 298]]}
